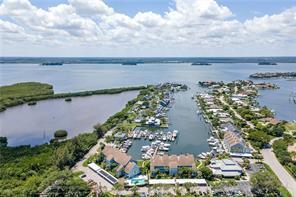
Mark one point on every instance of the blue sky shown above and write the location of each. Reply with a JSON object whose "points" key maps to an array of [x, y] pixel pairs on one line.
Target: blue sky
{"points": [[243, 9], [148, 27]]}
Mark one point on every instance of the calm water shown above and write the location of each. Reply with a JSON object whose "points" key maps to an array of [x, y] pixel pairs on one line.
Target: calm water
{"points": [[78, 77], [36, 124], [193, 131]]}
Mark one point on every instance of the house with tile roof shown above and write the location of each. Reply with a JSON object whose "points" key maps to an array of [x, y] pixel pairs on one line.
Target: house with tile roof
{"points": [[172, 163], [235, 144], [125, 166]]}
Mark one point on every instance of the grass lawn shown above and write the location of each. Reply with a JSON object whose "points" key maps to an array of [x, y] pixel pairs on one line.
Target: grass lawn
{"points": [[290, 127], [285, 192]]}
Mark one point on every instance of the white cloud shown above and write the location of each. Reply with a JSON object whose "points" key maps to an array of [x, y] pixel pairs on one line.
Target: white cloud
{"points": [[192, 25], [91, 7]]}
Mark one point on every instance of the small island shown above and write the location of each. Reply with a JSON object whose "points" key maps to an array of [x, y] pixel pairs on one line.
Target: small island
{"points": [[200, 64], [267, 63], [51, 64], [129, 64]]}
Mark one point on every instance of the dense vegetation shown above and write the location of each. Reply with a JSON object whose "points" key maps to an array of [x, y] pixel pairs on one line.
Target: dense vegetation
{"points": [[266, 183], [17, 94], [29, 92], [27, 171], [262, 134]]}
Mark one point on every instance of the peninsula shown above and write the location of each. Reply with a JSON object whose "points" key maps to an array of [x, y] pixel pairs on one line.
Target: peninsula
{"points": [[273, 75]]}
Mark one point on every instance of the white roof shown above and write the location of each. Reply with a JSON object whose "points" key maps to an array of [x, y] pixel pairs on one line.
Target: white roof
{"points": [[176, 181], [226, 173], [94, 167], [225, 166]]}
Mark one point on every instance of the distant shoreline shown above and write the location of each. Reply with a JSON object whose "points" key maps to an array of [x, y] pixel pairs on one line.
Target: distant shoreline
{"points": [[143, 60]]}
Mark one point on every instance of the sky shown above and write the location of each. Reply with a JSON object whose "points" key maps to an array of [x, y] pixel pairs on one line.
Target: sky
{"points": [[147, 28]]}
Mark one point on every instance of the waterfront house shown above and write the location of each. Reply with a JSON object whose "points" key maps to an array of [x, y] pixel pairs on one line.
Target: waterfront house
{"points": [[125, 166], [171, 164], [235, 145], [271, 121], [120, 136], [165, 102], [226, 168]]}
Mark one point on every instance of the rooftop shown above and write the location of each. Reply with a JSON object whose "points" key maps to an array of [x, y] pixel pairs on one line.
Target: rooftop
{"points": [[172, 161], [115, 154]]}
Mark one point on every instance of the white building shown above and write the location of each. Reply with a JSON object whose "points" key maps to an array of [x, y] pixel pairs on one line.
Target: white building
{"points": [[226, 168]]}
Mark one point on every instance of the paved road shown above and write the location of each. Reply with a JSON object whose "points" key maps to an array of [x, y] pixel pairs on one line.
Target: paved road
{"points": [[287, 180], [90, 175]]}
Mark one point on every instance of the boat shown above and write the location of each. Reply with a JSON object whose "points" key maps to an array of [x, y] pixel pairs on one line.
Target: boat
{"points": [[145, 148], [166, 145], [211, 139], [212, 143], [151, 137], [145, 156], [164, 138], [164, 148], [175, 133]]}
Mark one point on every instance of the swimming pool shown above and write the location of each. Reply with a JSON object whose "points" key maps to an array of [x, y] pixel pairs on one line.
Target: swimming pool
{"points": [[137, 181]]}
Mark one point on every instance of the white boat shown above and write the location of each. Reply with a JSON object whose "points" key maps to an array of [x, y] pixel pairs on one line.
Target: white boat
{"points": [[164, 148], [211, 139], [151, 137], [145, 148], [213, 143], [166, 145], [175, 133], [145, 156], [201, 156], [164, 138]]}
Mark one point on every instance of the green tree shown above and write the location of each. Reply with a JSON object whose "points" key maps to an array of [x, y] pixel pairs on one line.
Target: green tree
{"points": [[3, 141], [99, 129], [259, 138], [264, 184], [206, 173]]}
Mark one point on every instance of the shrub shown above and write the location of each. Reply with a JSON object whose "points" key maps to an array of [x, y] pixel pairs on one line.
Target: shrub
{"points": [[60, 133]]}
